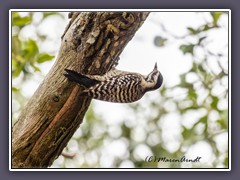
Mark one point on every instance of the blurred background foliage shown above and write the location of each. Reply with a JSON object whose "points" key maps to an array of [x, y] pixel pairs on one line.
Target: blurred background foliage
{"points": [[165, 125], [29, 52]]}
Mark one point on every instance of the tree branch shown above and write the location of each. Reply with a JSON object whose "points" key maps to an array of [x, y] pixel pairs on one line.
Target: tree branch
{"points": [[89, 44]]}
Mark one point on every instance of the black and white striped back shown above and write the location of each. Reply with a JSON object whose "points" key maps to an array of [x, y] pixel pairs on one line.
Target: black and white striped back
{"points": [[121, 89]]}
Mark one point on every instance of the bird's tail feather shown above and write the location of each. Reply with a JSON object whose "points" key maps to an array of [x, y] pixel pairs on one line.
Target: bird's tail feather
{"points": [[80, 79]]}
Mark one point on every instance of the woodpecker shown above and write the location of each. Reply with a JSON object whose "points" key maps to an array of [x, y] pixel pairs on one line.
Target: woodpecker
{"points": [[116, 85]]}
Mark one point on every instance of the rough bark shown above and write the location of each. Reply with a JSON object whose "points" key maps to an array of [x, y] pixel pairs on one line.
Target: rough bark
{"points": [[89, 44]]}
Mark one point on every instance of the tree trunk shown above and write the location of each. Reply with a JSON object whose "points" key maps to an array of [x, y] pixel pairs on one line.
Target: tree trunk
{"points": [[90, 43]]}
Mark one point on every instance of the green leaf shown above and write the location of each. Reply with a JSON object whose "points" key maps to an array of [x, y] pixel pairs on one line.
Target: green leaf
{"points": [[214, 102], [193, 31], [44, 57], [201, 39], [36, 69], [16, 72], [194, 67], [159, 41], [187, 133], [16, 45], [226, 161], [17, 64], [207, 78], [216, 16], [222, 123], [224, 119], [30, 50], [183, 78], [200, 68], [192, 94], [203, 119], [206, 27], [14, 89], [20, 21], [187, 48]]}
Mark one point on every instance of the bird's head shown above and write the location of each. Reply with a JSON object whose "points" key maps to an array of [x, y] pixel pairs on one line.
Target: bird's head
{"points": [[154, 79]]}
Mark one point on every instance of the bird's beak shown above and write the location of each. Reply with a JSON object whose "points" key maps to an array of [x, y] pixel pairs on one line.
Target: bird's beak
{"points": [[155, 67]]}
